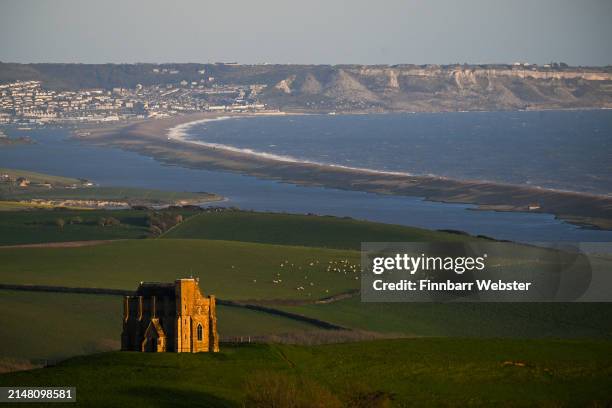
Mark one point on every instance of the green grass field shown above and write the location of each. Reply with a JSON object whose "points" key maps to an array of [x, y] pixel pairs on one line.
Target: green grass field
{"points": [[51, 325], [22, 227], [304, 230], [30, 227], [454, 353], [416, 372], [39, 226], [247, 271], [44, 325], [230, 270], [518, 320]]}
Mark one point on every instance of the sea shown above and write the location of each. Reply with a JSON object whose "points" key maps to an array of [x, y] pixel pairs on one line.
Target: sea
{"points": [[566, 150]]}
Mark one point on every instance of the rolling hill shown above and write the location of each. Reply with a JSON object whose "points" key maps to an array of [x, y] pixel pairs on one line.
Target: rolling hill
{"points": [[409, 372]]}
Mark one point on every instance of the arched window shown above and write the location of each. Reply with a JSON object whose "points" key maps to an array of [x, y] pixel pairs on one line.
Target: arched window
{"points": [[199, 332]]}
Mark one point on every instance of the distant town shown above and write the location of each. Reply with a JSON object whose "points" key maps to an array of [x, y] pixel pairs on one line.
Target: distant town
{"points": [[39, 94], [28, 102]]}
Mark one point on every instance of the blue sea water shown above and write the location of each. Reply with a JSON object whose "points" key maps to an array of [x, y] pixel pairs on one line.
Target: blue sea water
{"points": [[568, 150], [55, 153]]}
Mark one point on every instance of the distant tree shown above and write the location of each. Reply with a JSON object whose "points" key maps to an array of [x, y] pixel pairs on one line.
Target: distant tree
{"points": [[163, 220], [152, 219], [155, 231], [60, 223], [108, 222], [112, 221]]}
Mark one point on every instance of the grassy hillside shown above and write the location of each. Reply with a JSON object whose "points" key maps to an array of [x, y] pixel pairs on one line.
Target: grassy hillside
{"points": [[288, 229], [237, 256], [230, 270], [518, 320], [247, 271], [52, 325], [23, 227], [31, 227], [420, 372]]}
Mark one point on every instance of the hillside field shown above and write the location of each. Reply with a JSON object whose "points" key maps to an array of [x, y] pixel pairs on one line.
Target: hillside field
{"points": [[50, 326], [303, 230], [246, 271], [228, 269], [25, 227], [40, 226], [513, 320], [419, 372], [470, 354]]}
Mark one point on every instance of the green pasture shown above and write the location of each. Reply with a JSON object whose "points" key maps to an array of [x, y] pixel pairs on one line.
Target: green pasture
{"points": [[230, 270], [408, 372]]}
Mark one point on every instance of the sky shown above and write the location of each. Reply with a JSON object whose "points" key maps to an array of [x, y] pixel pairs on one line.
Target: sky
{"points": [[578, 32]]}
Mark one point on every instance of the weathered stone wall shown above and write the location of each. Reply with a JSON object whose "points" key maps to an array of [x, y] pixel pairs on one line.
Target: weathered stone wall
{"points": [[169, 317]]}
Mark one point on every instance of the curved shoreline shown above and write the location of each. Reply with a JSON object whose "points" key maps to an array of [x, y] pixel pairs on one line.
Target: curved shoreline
{"points": [[164, 139], [178, 133]]}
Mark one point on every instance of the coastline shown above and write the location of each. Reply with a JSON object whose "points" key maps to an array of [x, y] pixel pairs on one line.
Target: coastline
{"points": [[164, 140]]}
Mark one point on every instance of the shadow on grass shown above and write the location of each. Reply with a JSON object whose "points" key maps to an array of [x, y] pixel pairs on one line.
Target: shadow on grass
{"points": [[154, 396]]}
